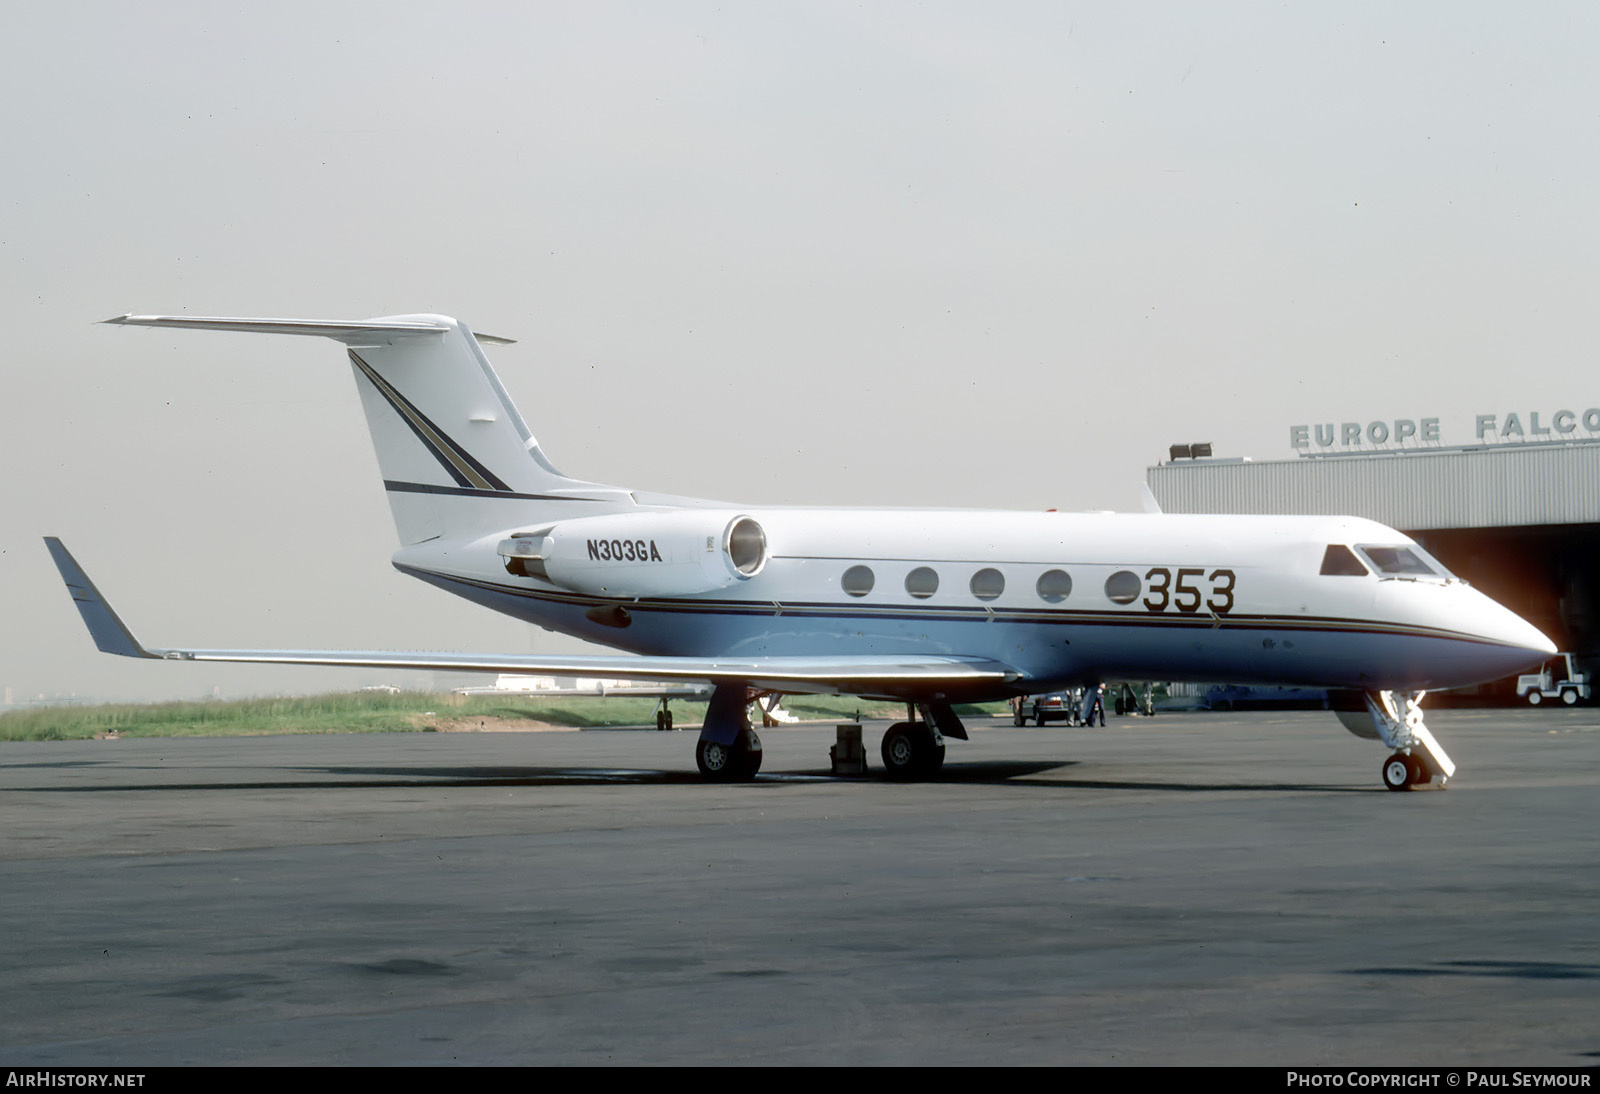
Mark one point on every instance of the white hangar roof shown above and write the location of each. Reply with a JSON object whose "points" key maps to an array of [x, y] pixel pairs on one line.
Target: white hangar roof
{"points": [[1413, 490]]}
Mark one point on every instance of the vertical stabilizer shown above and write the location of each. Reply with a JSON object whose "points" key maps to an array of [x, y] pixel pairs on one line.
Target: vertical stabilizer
{"points": [[455, 455], [445, 430]]}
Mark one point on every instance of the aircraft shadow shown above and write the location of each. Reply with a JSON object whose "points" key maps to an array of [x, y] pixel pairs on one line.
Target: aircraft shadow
{"points": [[1197, 788], [1517, 970], [993, 772]]}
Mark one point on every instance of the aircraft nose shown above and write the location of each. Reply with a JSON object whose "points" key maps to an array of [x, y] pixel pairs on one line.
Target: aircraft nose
{"points": [[1525, 645]]}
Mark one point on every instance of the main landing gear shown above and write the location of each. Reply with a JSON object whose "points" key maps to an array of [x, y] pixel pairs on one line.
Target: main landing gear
{"points": [[728, 749], [726, 763], [914, 749]]}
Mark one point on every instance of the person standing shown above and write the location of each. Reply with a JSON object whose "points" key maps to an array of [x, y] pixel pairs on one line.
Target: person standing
{"points": [[1097, 706]]}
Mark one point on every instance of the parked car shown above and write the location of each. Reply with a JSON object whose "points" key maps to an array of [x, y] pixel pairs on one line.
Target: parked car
{"points": [[1057, 706]]}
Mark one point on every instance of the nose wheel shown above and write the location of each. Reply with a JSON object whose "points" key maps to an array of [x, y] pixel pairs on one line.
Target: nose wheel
{"points": [[1403, 771]]}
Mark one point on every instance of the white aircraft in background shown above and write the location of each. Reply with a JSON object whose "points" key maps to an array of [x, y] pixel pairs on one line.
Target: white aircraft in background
{"points": [[549, 687], [928, 607]]}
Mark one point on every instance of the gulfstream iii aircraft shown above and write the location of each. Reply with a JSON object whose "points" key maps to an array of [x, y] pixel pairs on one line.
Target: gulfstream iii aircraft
{"points": [[928, 607]]}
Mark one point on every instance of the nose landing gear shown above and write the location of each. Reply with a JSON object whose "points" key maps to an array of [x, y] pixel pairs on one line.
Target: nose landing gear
{"points": [[1418, 757]]}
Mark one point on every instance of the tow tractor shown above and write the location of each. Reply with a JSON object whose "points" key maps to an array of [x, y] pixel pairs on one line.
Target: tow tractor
{"points": [[1559, 678]]}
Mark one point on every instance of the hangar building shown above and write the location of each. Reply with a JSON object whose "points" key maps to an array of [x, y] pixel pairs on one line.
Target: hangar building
{"points": [[1518, 519]]}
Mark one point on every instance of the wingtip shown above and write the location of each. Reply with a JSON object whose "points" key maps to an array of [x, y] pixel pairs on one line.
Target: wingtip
{"points": [[109, 632]]}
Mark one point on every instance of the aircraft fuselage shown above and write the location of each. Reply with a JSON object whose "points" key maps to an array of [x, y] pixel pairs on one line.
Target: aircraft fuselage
{"points": [[1064, 597]]}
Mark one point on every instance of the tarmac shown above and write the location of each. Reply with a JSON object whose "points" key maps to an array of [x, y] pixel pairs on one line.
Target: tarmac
{"points": [[1185, 889]]}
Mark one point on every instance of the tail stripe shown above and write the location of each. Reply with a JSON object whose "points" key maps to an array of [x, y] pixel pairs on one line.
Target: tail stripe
{"points": [[399, 487], [457, 461]]}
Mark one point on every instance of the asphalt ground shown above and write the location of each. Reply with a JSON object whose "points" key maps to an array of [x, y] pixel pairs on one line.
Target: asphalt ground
{"points": [[1187, 889]]}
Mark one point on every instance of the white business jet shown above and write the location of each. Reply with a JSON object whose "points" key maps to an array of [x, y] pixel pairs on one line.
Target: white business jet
{"points": [[927, 607]]}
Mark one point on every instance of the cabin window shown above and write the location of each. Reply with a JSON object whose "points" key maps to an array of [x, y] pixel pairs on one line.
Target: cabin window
{"points": [[922, 582], [1054, 586], [1396, 560], [857, 580], [1123, 586], [988, 583], [1340, 561]]}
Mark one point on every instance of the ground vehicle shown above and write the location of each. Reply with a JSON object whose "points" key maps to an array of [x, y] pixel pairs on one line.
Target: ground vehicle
{"points": [[1054, 706], [1558, 677]]}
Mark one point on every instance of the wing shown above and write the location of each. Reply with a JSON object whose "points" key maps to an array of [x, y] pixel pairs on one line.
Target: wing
{"points": [[892, 676]]}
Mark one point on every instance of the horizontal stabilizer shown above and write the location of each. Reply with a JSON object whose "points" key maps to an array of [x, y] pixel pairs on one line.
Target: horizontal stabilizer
{"points": [[350, 332]]}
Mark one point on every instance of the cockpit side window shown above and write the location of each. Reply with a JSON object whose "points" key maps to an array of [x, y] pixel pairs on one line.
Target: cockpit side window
{"points": [[1397, 560], [1340, 561]]}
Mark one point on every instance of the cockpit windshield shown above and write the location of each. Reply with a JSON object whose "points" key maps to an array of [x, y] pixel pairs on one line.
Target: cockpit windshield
{"points": [[1400, 561], [1340, 561]]}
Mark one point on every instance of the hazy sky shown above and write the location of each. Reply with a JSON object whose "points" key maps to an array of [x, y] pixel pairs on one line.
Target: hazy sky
{"points": [[886, 253]]}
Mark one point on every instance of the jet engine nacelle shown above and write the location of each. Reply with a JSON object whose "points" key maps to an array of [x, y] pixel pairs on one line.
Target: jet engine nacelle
{"points": [[676, 553]]}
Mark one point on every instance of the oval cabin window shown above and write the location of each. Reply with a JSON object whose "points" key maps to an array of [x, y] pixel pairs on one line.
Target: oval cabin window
{"points": [[922, 582], [1054, 586], [988, 583], [1122, 587], [857, 581]]}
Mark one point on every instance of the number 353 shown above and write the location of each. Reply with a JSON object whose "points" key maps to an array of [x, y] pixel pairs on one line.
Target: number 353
{"points": [[1183, 589]]}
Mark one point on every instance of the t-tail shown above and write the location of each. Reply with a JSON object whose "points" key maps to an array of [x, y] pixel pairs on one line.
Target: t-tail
{"points": [[455, 455]]}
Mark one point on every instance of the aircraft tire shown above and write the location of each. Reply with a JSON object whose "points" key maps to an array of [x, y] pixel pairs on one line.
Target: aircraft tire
{"points": [[899, 750], [909, 752], [1397, 771], [1421, 773], [749, 755], [720, 763], [715, 761]]}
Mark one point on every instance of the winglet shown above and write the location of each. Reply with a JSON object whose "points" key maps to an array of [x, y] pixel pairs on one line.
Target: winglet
{"points": [[108, 631]]}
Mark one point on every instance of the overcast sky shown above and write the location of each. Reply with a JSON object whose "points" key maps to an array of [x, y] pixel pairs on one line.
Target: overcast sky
{"points": [[886, 253]]}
